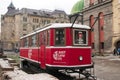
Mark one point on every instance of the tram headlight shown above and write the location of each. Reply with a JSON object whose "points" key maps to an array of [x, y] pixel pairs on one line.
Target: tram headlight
{"points": [[80, 58]]}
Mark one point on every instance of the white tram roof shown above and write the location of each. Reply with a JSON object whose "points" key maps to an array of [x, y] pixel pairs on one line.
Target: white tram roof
{"points": [[58, 25]]}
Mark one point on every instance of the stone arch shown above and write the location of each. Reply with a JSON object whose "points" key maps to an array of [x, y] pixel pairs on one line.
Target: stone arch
{"points": [[92, 30], [117, 43], [101, 31]]}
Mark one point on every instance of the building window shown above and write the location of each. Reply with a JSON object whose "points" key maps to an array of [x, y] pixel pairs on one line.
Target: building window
{"points": [[48, 21], [35, 13], [24, 19], [35, 20], [59, 15], [59, 37], [91, 2], [33, 27], [24, 34], [2, 18], [24, 27]]}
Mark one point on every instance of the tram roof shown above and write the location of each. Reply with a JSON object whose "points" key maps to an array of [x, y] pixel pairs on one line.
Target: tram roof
{"points": [[58, 25]]}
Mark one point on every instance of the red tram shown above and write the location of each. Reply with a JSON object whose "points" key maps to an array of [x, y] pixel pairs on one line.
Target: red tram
{"points": [[58, 46]]}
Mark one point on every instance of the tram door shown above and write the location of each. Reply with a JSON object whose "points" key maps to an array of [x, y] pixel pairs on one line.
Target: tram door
{"points": [[42, 51]]}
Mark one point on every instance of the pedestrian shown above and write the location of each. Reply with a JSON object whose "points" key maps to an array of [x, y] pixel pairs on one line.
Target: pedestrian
{"points": [[115, 52], [118, 51]]}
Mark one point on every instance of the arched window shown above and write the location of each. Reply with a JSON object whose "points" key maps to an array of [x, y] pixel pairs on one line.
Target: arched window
{"points": [[101, 30], [92, 30], [91, 2]]}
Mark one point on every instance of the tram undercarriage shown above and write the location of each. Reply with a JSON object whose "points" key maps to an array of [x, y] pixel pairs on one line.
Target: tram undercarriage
{"points": [[88, 72]]}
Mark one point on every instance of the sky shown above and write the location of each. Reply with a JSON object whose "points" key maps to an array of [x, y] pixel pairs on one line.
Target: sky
{"points": [[65, 5]]}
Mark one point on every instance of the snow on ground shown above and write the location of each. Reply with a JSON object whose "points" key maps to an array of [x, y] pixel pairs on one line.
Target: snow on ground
{"points": [[20, 75]]}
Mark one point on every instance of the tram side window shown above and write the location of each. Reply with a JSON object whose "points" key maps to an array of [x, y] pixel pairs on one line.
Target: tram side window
{"points": [[48, 37], [37, 39], [26, 42], [21, 43], [59, 37], [80, 37], [45, 37], [33, 42]]}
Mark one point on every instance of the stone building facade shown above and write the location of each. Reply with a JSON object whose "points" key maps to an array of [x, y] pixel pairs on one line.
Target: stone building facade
{"points": [[116, 23], [103, 16], [98, 14], [16, 23]]}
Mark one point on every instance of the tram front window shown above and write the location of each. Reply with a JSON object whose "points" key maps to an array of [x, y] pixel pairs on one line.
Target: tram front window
{"points": [[59, 37], [80, 37]]}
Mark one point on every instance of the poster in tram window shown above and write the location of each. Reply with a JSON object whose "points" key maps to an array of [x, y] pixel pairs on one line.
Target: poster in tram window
{"points": [[80, 37]]}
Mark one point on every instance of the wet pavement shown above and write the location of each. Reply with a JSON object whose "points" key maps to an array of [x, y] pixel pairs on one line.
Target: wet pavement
{"points": [[107, 67]]}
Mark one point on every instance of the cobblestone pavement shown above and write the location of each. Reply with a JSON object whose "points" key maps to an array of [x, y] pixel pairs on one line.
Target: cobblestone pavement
{"points": [[107, 67]]}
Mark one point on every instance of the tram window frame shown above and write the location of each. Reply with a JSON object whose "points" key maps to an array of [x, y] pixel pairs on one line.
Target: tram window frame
{"points": [[22, 42], [41, 38], [48, 37], [37, 40], [59, 43], [33, 40], [29, 41], [45, 37], [26, 43], [86, 38]]}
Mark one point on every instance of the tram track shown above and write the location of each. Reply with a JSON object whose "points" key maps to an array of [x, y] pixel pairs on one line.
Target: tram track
{"points": [[57, 74], [60, 75]]}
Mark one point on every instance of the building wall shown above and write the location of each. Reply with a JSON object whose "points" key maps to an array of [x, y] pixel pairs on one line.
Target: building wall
{"points": [[104, 7], [16, 25], [8, 26], [116, 22]]}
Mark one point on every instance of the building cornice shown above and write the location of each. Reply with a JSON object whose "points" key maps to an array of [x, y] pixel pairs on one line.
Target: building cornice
{"points": [[40, 16], [97, 5]]}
